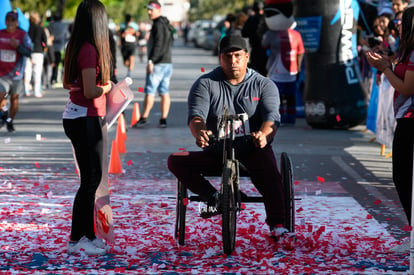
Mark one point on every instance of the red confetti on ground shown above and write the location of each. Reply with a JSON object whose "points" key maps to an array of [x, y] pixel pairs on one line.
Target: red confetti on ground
{"points": [[408, 228], [202, 70], [320, 179], [140, 90], [377, 202], [328, 240]]}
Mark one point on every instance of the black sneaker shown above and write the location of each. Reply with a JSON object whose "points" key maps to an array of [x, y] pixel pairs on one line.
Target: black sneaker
{"points": [[212, 207], [10, 127], [141, 123], [2, 121], [163, 123]]}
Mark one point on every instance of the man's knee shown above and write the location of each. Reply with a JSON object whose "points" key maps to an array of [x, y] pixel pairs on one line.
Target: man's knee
{"points": [[177, 161]]}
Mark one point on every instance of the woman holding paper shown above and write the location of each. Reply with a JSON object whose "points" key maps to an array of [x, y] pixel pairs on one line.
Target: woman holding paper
{"points": [[87, 76]]}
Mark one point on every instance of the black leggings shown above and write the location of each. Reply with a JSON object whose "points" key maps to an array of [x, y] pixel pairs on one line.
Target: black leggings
{"points": [[86, 136], [402, 162]]}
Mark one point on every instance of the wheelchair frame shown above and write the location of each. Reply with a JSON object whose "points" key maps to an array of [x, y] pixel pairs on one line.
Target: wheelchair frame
{"points": [[231, 196]]}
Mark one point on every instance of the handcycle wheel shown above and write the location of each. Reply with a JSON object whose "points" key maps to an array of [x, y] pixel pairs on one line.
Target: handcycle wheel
{"points": [[229, 205], [287, 179], [181, 208]]}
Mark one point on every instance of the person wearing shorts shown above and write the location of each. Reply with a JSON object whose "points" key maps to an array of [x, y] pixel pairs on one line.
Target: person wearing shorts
{"points": [[129, 44], [15, 45], [159, 67]]}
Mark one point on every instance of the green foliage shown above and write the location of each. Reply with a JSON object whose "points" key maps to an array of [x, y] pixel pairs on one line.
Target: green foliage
{"points": [[206, 9], [40, 6], [200, 9]]}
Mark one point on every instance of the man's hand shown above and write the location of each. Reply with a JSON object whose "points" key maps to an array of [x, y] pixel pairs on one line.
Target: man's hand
{"points": [[150, 68], [14, 42], [259, 139], [202, 138]]}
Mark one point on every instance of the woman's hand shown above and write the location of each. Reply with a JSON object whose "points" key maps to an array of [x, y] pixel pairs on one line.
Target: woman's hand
{"points": [[378, 61], [107, 87]]}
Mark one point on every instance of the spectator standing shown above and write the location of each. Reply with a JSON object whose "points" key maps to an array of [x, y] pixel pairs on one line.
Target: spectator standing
{"points": [[237, 24], [15, 46], [159, 67], [49, 60], [283, 65], [142, 41], [34, 65], [60, 33], [401, 77], [399, 6], [129, 35], [253, 29], [87, 76]]}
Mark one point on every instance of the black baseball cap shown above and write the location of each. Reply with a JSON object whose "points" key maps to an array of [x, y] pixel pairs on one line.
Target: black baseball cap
{"points": [[12, 14], [235, 42]]}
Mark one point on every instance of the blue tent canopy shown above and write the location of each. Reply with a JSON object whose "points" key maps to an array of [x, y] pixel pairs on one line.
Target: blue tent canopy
{"points": [[5, 7]]}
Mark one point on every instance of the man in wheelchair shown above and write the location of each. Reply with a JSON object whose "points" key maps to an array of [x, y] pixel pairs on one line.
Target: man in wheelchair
{"points": [[242, 91]]}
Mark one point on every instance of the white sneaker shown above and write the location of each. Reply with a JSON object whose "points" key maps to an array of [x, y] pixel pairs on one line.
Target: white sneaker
{"points": [[402, 248], [100, 244], [85, 245], [278, 232]]}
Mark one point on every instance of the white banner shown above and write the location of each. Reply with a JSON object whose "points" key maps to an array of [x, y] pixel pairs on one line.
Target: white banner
{"points": [[385, 113]]}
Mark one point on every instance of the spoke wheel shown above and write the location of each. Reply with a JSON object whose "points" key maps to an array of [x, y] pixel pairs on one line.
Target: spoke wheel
{"points": [[287, 179], [181, 208], [229, 206]]}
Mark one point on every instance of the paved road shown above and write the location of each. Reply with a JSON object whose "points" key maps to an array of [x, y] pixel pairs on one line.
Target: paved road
{"points": [[328, 164], [346, 159]]}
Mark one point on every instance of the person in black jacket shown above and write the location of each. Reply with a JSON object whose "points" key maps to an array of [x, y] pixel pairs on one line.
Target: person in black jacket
{"points": [[254, 28], [34, 64], [159, 67]]}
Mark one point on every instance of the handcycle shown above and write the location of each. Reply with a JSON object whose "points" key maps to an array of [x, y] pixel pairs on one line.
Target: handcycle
{"points": [[231, 197]]}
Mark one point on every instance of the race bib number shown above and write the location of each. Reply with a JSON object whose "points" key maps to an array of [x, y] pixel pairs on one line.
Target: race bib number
{"points": [[8, 56], [241, 127], [130, 38]]}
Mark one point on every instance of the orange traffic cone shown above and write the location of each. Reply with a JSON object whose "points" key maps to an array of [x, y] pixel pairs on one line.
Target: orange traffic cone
{"points": [[115, 161], [121, 126], [136, 115], [120, 142]]}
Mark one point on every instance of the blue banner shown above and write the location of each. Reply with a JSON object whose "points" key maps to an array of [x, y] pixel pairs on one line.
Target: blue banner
{"points": [[5, 7]]}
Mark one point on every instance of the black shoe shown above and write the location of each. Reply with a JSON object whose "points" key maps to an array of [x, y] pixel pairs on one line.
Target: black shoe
{"points": [[212, 208], [10, 127], [163, 123], [141, 123]]}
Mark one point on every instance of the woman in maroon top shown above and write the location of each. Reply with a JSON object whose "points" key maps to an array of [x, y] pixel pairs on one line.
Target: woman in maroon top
{"points": [[401, 77], [87, 76]]}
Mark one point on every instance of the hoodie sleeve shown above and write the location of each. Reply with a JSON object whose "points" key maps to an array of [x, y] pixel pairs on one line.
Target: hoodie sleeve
{"points": [[161, 40]]}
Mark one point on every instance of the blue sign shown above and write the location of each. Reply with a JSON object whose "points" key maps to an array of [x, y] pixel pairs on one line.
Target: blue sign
{"points": [[310, 30]]}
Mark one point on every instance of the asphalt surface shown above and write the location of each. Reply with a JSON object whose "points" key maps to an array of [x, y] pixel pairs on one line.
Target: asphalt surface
{"points": [[328, 163]]}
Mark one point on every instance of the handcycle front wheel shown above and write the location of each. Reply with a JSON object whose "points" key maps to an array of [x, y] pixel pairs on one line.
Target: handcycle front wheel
{"points": [[287, 179], [229, 205], [181, 208]]}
